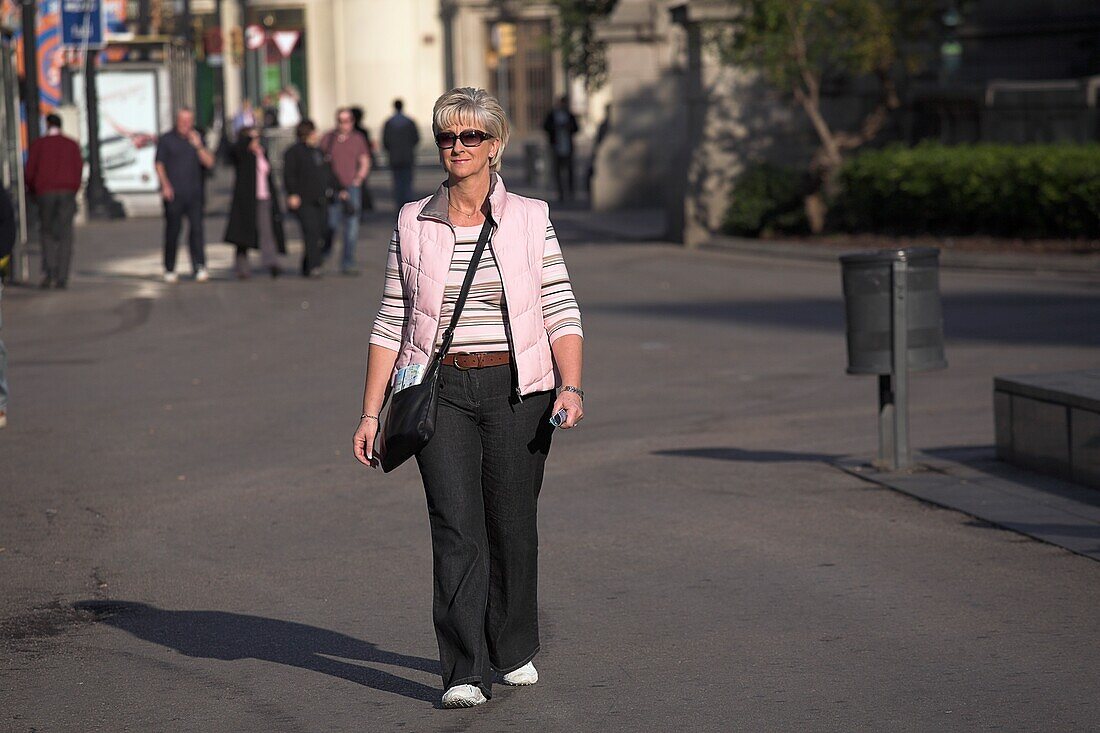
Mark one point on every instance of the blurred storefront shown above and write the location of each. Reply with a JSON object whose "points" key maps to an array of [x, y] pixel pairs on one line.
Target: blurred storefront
{"points": [[370, 52]]}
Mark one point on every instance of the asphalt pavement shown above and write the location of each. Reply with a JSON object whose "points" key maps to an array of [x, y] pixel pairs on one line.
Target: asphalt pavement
{"points": [[186, 543]]}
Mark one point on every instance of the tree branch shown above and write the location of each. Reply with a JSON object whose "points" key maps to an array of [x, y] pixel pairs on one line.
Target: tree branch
{"points": [[876, 119]]}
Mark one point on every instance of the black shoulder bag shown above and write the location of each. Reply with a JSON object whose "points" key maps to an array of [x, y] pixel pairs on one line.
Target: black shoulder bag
{"points": [[410, 421]]}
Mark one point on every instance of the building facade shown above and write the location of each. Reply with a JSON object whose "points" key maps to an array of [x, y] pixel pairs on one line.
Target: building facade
{"points": [[371, 52]]}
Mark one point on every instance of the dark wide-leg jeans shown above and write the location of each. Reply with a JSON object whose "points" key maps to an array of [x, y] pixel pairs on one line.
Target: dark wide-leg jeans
{"points": [[175, 211], [482, 474]]}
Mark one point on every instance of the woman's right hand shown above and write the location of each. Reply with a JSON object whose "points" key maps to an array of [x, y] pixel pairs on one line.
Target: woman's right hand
{"points": [[293, 201], [362, 443]]}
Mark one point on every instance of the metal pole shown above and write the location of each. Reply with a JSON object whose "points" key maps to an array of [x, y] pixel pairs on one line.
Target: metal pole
{"points": [[246, 60], [30, 69], [145, 18], [901, 363], [101, 205], [885, 423], [183, 22]]}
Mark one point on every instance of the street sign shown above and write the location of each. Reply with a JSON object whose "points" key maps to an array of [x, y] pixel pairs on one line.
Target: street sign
{"points": [[285, 41], [82, 24], [254, 37]]}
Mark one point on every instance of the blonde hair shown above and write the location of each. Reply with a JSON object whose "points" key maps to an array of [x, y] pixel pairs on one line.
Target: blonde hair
{"points": [[477, 106]]}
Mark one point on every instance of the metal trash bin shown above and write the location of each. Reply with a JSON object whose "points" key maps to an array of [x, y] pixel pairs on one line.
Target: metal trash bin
{"points": [[868, 279], [894, 318]]}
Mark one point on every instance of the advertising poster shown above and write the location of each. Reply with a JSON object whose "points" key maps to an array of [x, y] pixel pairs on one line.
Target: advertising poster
{"points": [[127, 127]]}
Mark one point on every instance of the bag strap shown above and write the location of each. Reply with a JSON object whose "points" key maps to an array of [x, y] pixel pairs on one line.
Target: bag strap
{"points": [[448, 335]]}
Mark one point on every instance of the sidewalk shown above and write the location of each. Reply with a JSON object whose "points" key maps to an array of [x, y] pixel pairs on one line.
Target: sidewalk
{"points": [[973, 481], [1086, 265]]}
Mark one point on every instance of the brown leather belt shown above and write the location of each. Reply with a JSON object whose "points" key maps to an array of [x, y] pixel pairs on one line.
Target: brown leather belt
{"points": [[477, 361]]}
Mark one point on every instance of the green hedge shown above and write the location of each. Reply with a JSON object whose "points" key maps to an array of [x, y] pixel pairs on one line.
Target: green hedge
{"points": [[766, 200], [1005, 190], [1009, 190]]}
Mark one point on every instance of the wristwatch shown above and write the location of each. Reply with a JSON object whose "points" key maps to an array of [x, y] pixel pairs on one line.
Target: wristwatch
{"points": [[575, 390]]}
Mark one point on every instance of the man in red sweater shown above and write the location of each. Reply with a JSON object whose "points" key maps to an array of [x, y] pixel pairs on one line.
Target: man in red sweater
{"points": [[54, 168]]}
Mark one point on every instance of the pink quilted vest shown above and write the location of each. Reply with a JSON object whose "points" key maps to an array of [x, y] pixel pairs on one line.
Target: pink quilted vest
{"points": [[427, 246]]}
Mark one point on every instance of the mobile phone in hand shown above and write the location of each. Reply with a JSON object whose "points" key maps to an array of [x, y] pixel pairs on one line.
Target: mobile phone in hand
{"points": [[559, 417]]}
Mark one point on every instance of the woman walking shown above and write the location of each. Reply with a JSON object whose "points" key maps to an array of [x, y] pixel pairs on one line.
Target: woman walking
{"points": [[514, 362], [310, 184], [254, 217]]}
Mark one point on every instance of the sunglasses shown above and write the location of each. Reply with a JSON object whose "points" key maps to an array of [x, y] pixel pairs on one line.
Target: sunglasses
{"points": [[468, 138]]}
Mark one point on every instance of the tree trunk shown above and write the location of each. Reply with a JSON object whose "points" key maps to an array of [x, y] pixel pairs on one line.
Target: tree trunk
{"points": [[824, 169]]}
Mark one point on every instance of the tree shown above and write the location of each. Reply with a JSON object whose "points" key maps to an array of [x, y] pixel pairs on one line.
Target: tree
{"points": [[583, 54], [796, 44]]}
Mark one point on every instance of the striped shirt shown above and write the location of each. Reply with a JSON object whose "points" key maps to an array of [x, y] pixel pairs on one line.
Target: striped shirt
{"points": [[483, 323]]}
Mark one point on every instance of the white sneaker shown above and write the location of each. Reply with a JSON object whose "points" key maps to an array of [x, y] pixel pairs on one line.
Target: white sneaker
{"points": [[463, 696], [201, 275], [171, 277], [525, 675]]}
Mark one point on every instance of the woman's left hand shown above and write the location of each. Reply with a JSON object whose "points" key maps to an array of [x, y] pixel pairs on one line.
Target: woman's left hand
{"points": [[573, 405]]}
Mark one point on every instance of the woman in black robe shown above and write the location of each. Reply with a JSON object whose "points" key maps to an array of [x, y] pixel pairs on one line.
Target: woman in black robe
{"points": [[255, 221]]}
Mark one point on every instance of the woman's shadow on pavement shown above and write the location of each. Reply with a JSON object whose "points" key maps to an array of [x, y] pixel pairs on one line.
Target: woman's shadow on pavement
{"points": [[230, 636]]}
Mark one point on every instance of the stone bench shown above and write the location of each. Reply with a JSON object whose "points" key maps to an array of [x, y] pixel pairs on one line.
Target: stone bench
{"points": [[1050, 423]]}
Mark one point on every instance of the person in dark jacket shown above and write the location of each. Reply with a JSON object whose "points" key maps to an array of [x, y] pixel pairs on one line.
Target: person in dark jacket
{"points": [[54, 168], [255, 220], [400, 137], [560, 126], [7, 244], [357, 114], [310, 184]]}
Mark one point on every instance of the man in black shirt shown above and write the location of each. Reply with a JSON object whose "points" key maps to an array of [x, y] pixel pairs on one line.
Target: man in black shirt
{"points": [[309, 183], [181, 158], [560, 126]]}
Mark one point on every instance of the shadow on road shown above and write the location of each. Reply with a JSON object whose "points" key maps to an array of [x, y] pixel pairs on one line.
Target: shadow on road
{"points": [[999, 317], [231, 636], [747, 456]]}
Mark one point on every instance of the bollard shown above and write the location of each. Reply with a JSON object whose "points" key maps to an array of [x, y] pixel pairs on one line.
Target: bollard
{"points": [[894, 318]]}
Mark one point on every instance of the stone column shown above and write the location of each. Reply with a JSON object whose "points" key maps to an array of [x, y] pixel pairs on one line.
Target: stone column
{"points": [[637, 160]]}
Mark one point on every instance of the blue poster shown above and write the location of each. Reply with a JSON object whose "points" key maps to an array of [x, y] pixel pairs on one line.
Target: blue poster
{"points": [[82, 24]]}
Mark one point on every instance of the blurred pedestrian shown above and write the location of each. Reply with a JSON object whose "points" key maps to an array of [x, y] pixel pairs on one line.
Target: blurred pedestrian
{"points": [[346, 151], [255, 220], [54, 168], [400, 138], [483, 467], [560, 126], [245, 117], [7, 244], [270, 110], [181, 161], [358, 114], [310, 183], [290, 107]]}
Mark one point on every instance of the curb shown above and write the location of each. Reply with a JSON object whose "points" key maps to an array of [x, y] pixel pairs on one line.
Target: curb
{"points": [[1087, 265], [976, 484]]}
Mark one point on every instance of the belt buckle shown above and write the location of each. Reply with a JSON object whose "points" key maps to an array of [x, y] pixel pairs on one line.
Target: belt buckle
{"points": [[459, 366]]}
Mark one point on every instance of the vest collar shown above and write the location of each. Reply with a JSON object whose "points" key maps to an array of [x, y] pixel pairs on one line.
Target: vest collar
{"points": [[438, 206]]}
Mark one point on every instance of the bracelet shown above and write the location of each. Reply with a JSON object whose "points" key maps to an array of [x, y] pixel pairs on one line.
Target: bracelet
{"points": [[575, 390], [364, 416]]}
